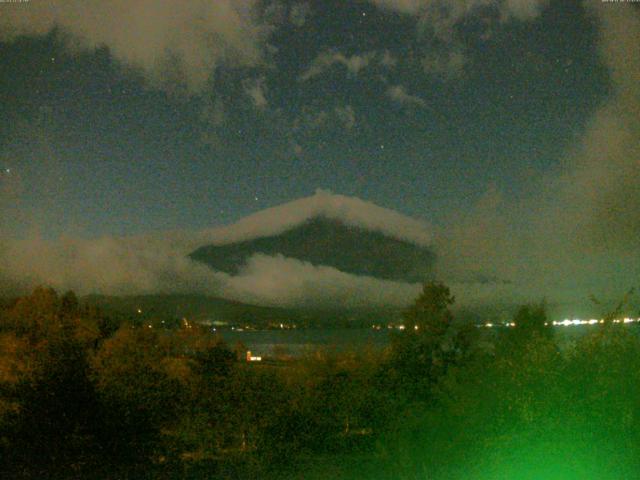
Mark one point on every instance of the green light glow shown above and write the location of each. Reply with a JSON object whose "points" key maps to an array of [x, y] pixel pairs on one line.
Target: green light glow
{"points": [[540, 460]]}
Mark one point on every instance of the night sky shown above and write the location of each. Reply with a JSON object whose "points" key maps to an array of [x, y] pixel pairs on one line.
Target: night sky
{"points": [[123, 118], [99, 151]]}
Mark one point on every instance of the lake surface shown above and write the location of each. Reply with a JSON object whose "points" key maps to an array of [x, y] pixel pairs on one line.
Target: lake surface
{"points": [[305, 340], [300, 341]]}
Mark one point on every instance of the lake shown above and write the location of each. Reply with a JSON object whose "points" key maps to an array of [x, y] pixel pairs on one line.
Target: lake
{"points": [[300, 340]]}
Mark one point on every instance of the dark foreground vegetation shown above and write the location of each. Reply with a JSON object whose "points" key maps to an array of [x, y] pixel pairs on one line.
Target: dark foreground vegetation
{"points": [[82, 396]]}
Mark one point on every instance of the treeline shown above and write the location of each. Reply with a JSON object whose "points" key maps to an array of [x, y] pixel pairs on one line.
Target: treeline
{"points": [[82, 396]]}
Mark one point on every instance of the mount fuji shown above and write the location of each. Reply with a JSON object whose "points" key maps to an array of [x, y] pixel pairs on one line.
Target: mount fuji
{"points": [[347, 234]]}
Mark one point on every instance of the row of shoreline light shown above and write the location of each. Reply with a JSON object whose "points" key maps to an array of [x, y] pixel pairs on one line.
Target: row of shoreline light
{"points": [[564, 323], [568, 322]]}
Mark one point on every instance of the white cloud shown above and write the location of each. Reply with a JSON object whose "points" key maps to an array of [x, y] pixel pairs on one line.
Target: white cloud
{"points": [[399, 94], [354, 64], [523, 9], [283, 281], [168, 40], [159, 263], [109, 265], [456, 10], [437, 22], [153, 264], [350, 210], [255, 89]]}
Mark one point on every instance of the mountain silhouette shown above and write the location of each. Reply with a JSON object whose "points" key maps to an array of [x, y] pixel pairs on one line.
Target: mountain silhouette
{"points": [[329, 242]]}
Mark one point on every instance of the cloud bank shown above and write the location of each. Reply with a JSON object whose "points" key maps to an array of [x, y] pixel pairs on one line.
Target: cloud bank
{"points": [[109, 265], [282, 281], [152, 265], [578, 234], [159, 263]]}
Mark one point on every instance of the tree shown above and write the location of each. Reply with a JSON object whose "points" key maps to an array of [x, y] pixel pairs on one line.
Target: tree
{"points": [[44, 357], [430, 312], [140, 389], [419, 353], [532, 319], [531, 327]]}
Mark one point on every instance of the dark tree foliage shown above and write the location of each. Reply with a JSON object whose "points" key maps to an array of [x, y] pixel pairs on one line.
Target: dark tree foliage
{"points": [[431, 311], [55, 402], [423, 351], [532, 320], [82, 396], [532, 330], [78, 396]]}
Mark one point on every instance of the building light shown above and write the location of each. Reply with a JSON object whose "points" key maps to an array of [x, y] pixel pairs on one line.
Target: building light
{"points": [[253, 358]]}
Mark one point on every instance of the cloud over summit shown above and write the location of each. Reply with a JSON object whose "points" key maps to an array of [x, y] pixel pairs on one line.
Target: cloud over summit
{"points": [[349, 210], [159, 263]]}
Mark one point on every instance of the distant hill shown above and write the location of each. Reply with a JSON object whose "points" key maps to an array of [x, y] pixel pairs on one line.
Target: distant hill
{"points": [[214, 310], [330, 242]]}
